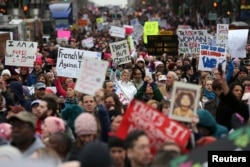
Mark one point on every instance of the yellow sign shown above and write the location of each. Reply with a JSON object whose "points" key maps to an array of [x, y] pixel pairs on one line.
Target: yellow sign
{"points": [[150, 28], [99, 20], [245, 7]]}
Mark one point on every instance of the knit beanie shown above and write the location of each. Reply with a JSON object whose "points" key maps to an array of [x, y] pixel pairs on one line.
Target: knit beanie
{"points": [[6, 72], [54, 124], [157, 63], [71, 85], [70, 113], [5, 131], [85, 124], [95, 154]]}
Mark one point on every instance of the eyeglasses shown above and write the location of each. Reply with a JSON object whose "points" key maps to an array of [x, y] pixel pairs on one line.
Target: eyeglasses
{"points": [[246, 85]]}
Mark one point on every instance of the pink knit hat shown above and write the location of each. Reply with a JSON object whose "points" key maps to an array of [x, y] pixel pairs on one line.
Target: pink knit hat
{"points": [[54, 124], [85, 124], [157, 63], [5, 131]]}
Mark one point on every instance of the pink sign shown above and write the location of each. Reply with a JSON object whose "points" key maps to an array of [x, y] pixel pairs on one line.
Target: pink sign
{"points": [[63, 34]]}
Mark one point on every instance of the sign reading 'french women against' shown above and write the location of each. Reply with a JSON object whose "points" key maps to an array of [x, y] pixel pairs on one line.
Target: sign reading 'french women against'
{"points": [[20, 53], [210, 57], [69, 61], [120, 52]]}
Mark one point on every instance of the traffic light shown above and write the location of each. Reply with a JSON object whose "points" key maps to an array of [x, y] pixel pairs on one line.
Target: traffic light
{"points": [[215, 4], [25, 10]]}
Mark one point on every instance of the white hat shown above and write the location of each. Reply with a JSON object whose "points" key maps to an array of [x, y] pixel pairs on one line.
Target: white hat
{"points": [[6, 72], [245, 96], [140, 59], [162, 78]]}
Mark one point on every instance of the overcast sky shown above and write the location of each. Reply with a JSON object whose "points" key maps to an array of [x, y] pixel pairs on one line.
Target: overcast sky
{"points": [[110, 2]]}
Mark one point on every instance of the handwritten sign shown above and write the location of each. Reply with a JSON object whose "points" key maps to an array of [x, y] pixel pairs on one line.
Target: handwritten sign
{"points": [[63, 34], [20, 53], [138, 32], [123, 99], [210, 57], [134, 22], [82, 22], [117, 31], [120, 52], [99, 20], [69, 61], [238, 140], [158, 127], [91, 76], [222, 35], [88, 42], [150, 28], [237, 41], [190, 40], [158, 44]]}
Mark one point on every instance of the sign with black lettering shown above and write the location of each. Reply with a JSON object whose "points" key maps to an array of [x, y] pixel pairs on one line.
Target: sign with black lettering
{"points": [[120, 52], [159, 44], [20, 53]]}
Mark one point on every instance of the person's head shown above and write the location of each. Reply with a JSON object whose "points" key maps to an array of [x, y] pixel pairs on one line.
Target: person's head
{"points": [[203, 79], [14, 110], [88, 103], [71, 90], [50, 76], [86, 128], [216, 88], [185, 99], [164, 106], [242, 73], [23, 128], [246, 83], [137, 74], [171, 77], [171, 146], [188, 70], [208, 85], [112, 99], [6, 74], [178, 72], [125, 75], [40, 89], [108, 86], [115, 122], [52, 125], [237, 89], [158, 74], [24, 70], [72, 42], [61, 143], [43, 78], [117, 150], [38, 66], [47, 107], [34, 106], [179, 63], [154, 104], [159, 66], [140, 62], [163, 158], [5, 131], [138, 148]]}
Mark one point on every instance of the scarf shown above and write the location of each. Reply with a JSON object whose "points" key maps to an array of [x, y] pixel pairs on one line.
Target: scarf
{"points": [[208, 94], [71, 101]]}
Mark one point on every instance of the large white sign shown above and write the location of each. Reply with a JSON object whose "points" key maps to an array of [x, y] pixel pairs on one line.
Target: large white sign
{"points": [[88, 42], [117, 31], [91, 76], [120, 52], [20, 53], [69, 61]]}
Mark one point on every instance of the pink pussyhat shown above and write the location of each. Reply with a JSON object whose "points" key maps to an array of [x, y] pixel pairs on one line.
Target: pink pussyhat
{"points": [[107, 56]]}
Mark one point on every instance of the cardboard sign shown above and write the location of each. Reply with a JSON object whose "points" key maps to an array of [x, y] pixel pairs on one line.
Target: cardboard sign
{"points": [[159, 44], [117, 31], [120, 52], [222, 35], [82, 22], [150, 28], [91, 76], [20, 53], [238, 140], [210, 57], [88, 42], [69, 61], [190, 40], [237, 42], [158, 127], [63, 34]]}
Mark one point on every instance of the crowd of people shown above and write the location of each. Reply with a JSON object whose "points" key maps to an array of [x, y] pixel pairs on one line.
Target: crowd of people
{"points": [[69, 128]]}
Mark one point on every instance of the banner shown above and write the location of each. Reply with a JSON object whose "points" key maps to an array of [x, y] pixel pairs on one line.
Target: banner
{"points": [[69, 61], [190, 40], [158, 127], [150, 28], [158, 44], [222, 35], [238, 140], [210, 57], [88, 42], [20, 53], [237, 42], [63, 34], [117, 31], [91, 76], [120, 52]]}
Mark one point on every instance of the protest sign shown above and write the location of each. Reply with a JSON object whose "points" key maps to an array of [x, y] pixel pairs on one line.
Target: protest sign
{"points": [[63, 34], [99, 20], [88, 42], [82, 22], [117, 31], [210, 57], [158, 44], [120, 52], [128, 29], [69, 61], [157, 126], [138, 32], [238, 140], [222, 35], [59, 40], [20, 53], [190, 40], [131, 43], [181, 92], [163, 23], [91, 76], [134, 22], [237, 41], [150, 28], [122, 97]]}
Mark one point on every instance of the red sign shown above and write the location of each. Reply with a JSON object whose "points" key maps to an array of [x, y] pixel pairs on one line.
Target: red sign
{"points": [[158, 127]]}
